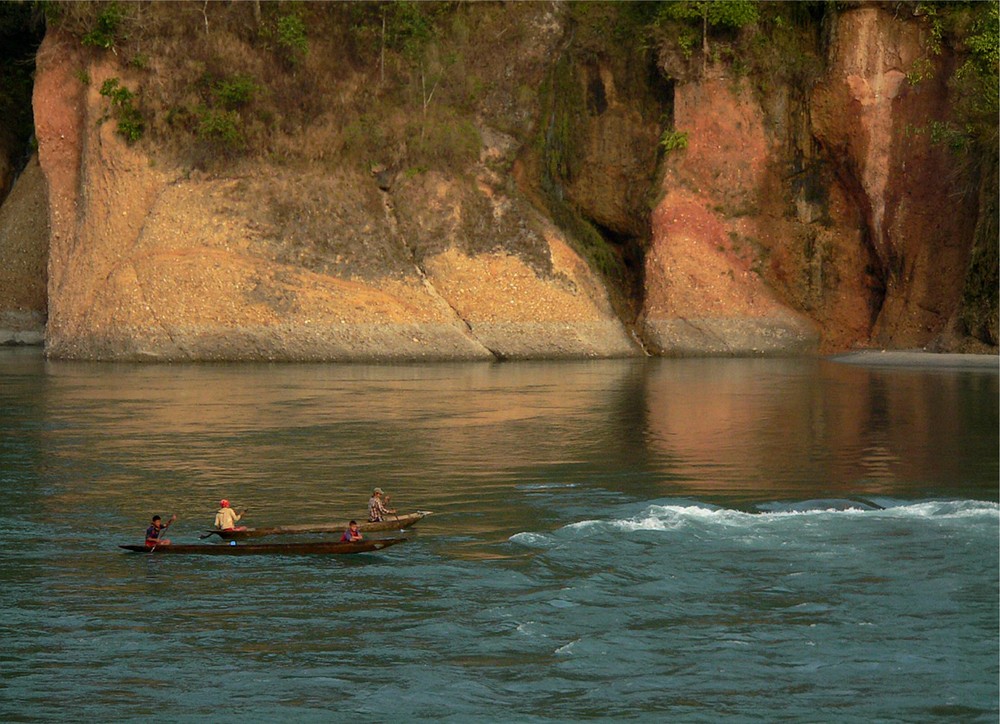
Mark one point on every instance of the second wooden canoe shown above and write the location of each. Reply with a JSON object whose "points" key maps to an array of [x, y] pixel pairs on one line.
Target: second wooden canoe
{"points": [[394, 522]]}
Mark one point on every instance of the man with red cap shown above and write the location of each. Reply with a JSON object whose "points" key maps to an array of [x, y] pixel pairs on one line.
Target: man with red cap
{"points": [[226, 517]]}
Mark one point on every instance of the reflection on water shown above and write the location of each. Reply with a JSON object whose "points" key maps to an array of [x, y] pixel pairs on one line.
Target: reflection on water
{"points": [[788, 427], [302, 440]]}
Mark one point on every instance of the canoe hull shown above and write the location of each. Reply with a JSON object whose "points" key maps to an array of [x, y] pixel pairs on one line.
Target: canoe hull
{"points": [[399, 522], [247, 549]]}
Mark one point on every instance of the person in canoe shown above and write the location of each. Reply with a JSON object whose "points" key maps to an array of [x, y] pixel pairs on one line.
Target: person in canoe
{"points": [[378, 508], [226, 518], [155, 531], [352, 534]]}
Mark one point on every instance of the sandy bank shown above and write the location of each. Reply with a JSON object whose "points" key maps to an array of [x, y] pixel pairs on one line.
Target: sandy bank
{"points": [[919, 358]]}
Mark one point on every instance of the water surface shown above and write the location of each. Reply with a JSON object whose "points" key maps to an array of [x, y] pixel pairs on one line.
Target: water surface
{"points": [[645, 539]]}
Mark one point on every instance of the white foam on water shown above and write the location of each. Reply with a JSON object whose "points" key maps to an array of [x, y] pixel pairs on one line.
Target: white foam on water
{"points": [[951, 509], [545, 486], [529, 628], [567, 648], [532, 540], [674, 517]]}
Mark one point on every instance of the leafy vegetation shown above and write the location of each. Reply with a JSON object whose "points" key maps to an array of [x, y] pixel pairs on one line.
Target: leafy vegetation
{"points": [[131, 124], [107, 29], [972, 30], [219, 121], [977, 87], [976, 81], [235, 92], [709, 15], [712, 13], [221, 129], [674, 140], [290, 36]]}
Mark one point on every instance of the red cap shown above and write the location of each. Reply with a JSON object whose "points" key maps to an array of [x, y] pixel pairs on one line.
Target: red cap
{"points": [[224, 503]]}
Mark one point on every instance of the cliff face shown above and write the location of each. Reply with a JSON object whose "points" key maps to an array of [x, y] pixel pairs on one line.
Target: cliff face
{"points": [[856, 232], [803, 219], [299, 264], [704, 289], [918, 219]]}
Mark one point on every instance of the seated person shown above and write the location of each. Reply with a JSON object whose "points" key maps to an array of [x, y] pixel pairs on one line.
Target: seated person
{"points": [[352, 534], [156, 529], [226, 517], [377, 508]]}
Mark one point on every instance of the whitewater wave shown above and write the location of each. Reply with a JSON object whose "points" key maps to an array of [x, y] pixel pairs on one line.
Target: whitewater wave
{"points": [[664, 517], [700, 518], [531, 540]]}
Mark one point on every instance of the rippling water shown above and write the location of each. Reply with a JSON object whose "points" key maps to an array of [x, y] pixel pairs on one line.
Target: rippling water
{"points": [[665, 539]]}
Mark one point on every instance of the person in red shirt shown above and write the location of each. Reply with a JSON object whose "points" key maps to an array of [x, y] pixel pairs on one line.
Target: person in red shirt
{"points": [[352, 534]]}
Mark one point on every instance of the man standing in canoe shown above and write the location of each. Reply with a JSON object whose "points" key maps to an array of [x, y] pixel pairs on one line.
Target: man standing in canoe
{"points": [[155, 530], [377, 508], [226, 518]]}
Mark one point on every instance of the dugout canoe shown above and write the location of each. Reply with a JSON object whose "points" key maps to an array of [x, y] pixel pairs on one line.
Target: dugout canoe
{"points": [[246, 549], [395, 522]]}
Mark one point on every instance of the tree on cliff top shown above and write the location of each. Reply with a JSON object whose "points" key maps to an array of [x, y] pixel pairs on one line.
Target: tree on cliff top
{"points": [[733, 14], [978, 78]]}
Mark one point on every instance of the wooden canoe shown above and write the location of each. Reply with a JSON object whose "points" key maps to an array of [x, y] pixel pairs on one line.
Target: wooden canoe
{"points": [[245, 549], [395, 522]]}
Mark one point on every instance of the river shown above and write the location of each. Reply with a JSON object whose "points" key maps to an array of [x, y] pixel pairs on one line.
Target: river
{"points": [[687, 540]]}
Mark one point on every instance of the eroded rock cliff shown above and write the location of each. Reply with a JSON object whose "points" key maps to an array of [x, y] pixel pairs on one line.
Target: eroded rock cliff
{"points": [[531, 182], [152, 261]]}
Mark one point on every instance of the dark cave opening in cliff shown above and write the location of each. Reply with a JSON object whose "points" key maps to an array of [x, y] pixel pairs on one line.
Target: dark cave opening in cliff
{"points": [[662, 89], [22, 27], [628, 284]]}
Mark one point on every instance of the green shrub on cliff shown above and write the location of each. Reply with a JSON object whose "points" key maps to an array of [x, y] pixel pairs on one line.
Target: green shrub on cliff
{"points": [[674, 140], [235, 92], [284, 33], [972, 31], [977, 86], [291, 38], [221, 130], [131, 124], [107, 27], [977, 80]]}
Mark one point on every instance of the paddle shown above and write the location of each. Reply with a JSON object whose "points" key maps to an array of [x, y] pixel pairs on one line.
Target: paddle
{"points": [[393, 513]]}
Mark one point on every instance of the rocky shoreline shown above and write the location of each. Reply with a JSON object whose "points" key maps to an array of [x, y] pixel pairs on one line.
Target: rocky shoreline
{"points": [[229, 349]]}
